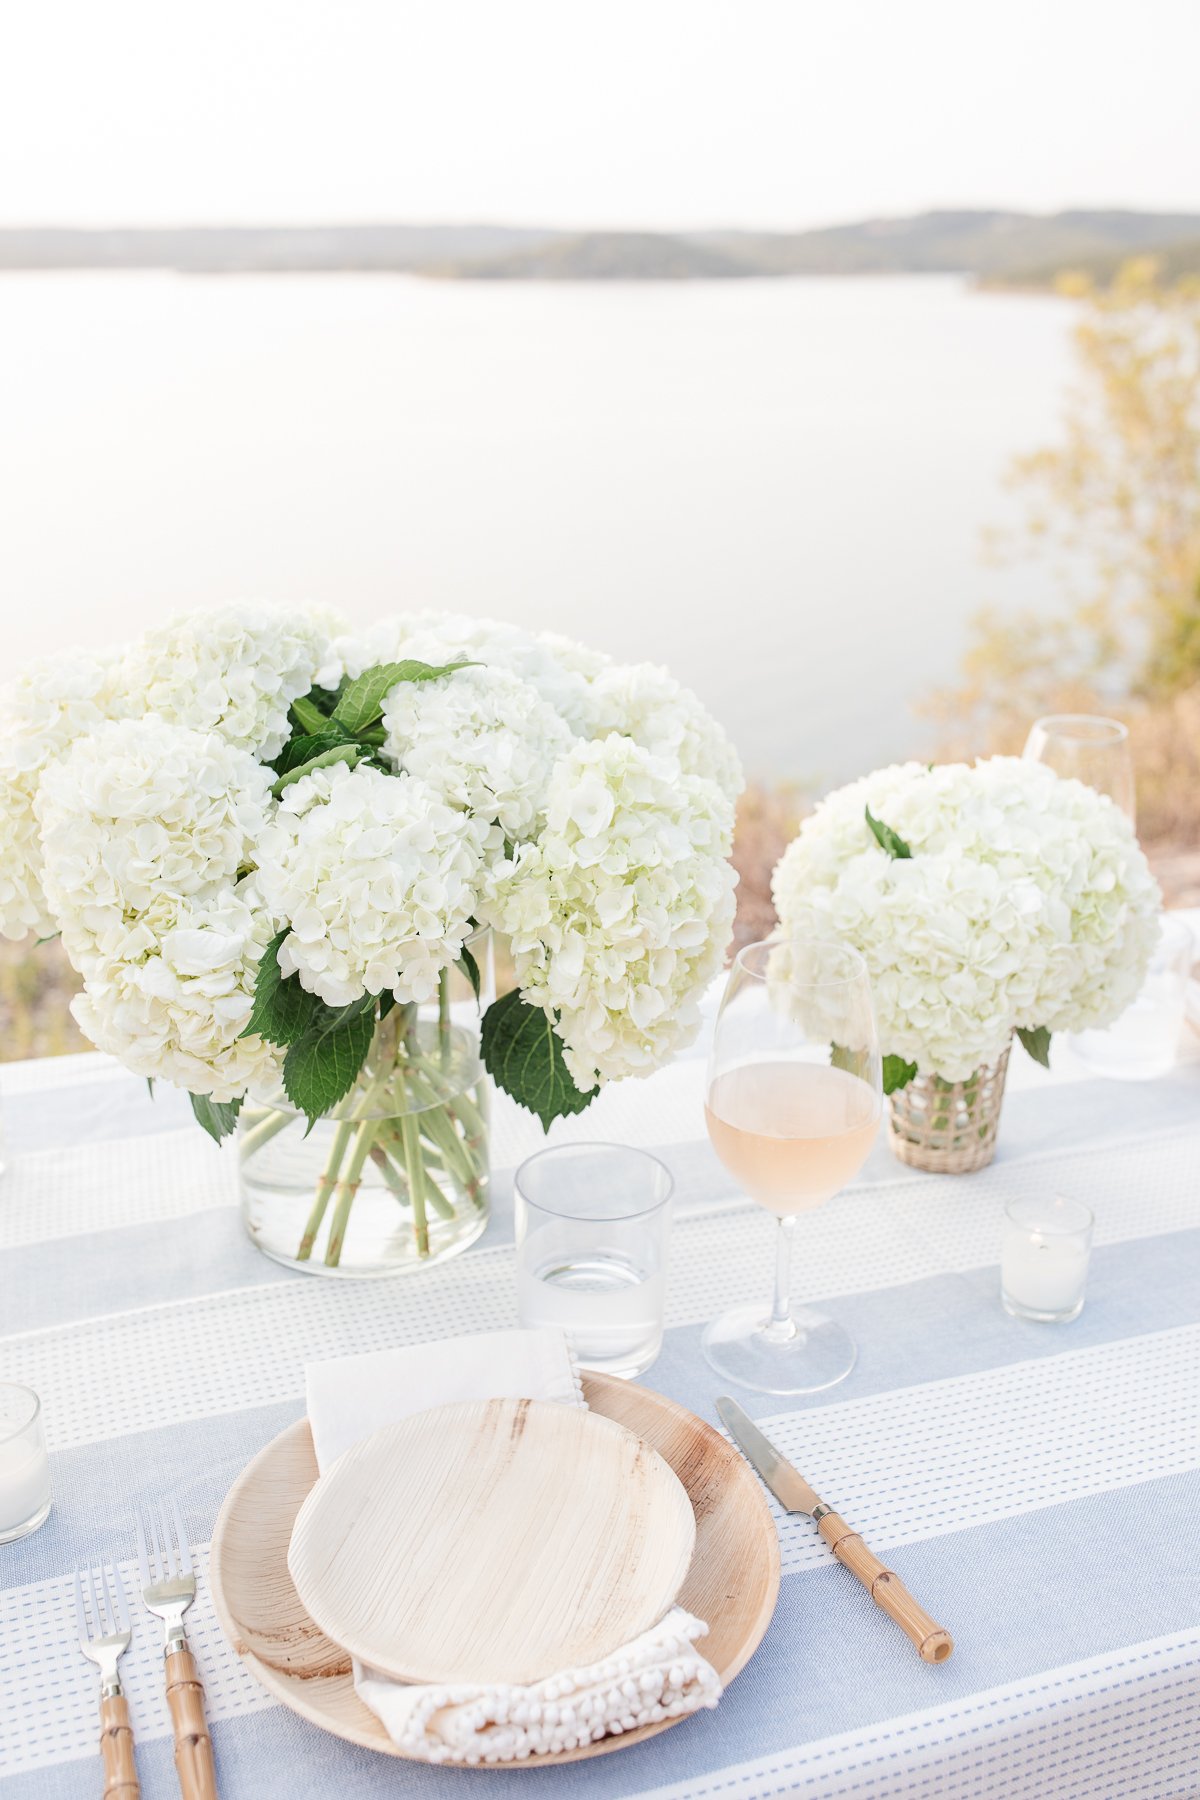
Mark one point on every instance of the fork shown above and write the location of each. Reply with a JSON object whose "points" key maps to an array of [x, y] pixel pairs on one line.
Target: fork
{"points": [[105, 1645], [168, 1589]]}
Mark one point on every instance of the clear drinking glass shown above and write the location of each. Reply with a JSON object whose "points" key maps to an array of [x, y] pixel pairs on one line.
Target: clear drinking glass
{"points": [[1093, 750], [24, 1467], [591, 1228], [795, 1097], [1044, 1258], [1144, 1041]]}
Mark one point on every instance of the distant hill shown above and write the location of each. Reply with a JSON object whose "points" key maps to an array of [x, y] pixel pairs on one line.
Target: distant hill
{"points": [[1006, 248], [605, 256], [970, 242], [1175, 262], [255, 249]]}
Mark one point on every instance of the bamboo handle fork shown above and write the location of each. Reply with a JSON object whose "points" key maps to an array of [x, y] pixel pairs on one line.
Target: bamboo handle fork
{"points": [[104, 1635], [168, 1589]]}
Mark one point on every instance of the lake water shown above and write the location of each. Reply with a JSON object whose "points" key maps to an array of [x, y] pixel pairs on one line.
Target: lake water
{"points": [[777, 487]]}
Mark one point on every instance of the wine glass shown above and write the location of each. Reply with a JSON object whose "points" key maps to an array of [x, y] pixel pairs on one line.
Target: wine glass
{"points": [[794, 1100], [1093, 750]]}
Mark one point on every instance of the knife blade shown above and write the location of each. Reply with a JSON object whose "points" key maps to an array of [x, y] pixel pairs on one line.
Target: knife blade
{"points": [[933, 1643], [786, 1483]]}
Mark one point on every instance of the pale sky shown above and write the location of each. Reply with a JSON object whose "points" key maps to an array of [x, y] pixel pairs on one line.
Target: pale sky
{"points": [[591, 112]]}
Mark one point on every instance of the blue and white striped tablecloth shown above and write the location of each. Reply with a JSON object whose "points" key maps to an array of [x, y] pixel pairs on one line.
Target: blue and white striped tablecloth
{"points": [[1037, 1487]]}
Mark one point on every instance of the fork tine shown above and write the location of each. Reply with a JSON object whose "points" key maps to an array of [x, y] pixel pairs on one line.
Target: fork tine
{"points": [[143, 1557], [158, 1568], [122, 1605], [97, 1615], [181, 1538], [109, 1620], [80, 1616], [170, 1557]]}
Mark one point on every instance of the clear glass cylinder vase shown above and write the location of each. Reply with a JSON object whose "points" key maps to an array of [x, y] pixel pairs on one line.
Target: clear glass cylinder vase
{"points": [[395, 1177]]}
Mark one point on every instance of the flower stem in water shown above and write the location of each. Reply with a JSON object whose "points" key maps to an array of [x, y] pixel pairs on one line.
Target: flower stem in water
{"points": [[325, 1187]]}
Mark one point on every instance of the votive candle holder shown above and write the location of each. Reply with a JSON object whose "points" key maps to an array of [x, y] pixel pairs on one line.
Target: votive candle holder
{"points": [[1044, 1258], [24, 1466]]}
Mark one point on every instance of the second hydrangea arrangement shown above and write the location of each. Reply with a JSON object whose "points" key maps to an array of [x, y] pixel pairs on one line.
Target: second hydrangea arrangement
{"points": [[987, 900], [269, 845]]}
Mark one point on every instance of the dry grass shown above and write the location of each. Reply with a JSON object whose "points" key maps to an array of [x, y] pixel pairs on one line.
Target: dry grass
{"points": [[36, 985], [767, 821], [1164, 738]]}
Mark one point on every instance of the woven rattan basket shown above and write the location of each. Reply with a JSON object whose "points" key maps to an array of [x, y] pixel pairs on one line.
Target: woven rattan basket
{"points": [[948, 1127]]}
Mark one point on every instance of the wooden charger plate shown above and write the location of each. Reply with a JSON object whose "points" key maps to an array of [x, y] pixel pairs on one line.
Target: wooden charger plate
{"points": [[733, 1580], [492, 1540]]}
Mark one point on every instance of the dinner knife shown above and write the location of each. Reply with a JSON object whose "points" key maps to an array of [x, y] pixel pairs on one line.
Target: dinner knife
{"points": [[789, 1487]]}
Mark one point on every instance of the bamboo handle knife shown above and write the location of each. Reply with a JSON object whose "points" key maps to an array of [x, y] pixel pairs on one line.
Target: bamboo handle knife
{"points": [[932, 1641]]}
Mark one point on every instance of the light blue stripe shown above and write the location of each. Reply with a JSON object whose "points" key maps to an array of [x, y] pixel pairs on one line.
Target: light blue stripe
{"points": [[830, 1663], [91, 1112], [922, 1331], [1066, 1583], [60, 1280], [1036, 1119], [954, 1325], [1150, 1285], [54, 1282]]}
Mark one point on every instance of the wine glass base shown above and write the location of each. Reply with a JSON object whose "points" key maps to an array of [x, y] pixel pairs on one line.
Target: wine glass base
{"points": [[743, 1349]]}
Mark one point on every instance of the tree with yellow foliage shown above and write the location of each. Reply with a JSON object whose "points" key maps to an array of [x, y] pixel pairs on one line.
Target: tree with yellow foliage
{"points": [[1117, 503]]}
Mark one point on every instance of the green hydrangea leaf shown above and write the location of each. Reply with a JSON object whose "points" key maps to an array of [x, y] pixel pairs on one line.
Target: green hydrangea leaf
{"points": [[338, 753], [1036, 1040], [523, 1055], [321, 1067], [309, 716], [283, 1011], [304, 746], [470, 968], [362, 702], [897, 1073], [218, 1117], [887, 839]]}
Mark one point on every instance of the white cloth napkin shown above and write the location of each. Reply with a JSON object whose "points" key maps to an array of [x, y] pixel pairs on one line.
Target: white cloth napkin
{"points": [[659, 1676]]}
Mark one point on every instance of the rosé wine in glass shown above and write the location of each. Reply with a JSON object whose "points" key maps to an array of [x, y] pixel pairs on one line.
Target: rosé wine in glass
{"points": [[794, 1100]]}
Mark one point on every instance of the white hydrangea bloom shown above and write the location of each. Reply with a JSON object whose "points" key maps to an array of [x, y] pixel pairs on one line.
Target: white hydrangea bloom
{"points": [[173, 996], [49, 705], [1026, 902], [559, 670], [483, 740], [54, 701], [138, 812], [377, 878], [647, 704], [620, 913], [136, 815], [234, 670]]}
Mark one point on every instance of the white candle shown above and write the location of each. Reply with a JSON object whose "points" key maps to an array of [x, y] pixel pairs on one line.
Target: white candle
{"points": [[24, 1483], [24, 1469], [1044, 1258]]}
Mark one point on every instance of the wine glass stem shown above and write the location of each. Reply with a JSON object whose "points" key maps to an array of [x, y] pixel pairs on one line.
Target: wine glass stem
{"points": [[782, 1324]]}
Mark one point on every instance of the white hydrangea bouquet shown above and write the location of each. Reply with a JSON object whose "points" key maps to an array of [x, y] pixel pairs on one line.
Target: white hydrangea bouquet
{"points": [[270, 846], [987, 900]]}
